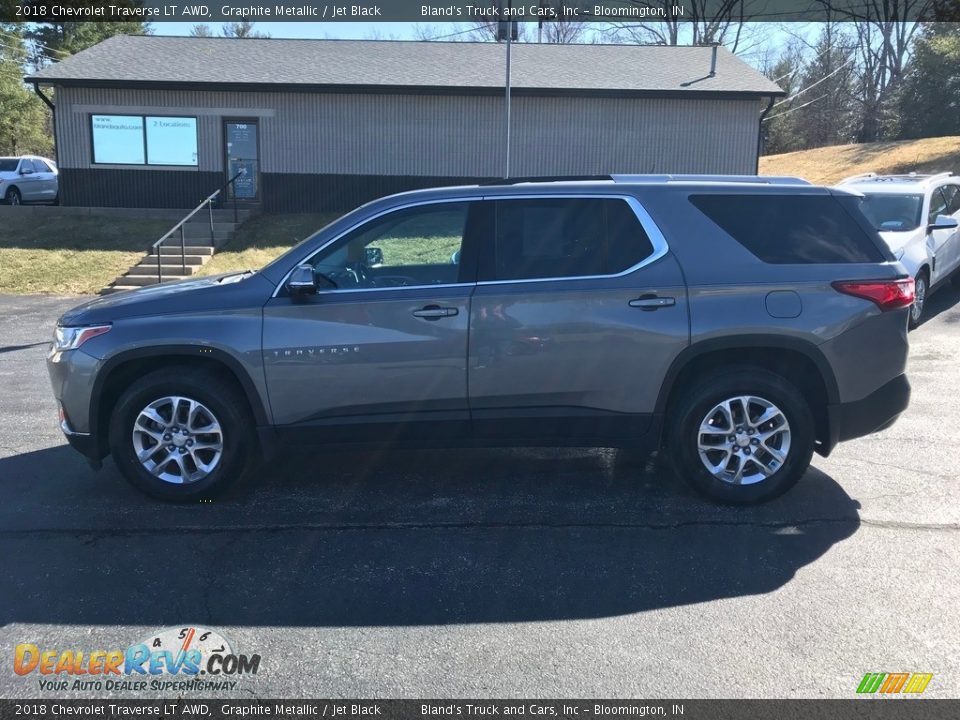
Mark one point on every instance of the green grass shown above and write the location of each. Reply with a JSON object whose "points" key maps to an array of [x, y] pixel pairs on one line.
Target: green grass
{"points": [[261, 239], [68, 255]]}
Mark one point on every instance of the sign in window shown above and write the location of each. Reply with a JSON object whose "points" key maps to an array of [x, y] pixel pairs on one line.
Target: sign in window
{"points": [[144, 140], [171, 140], [118, 139]]}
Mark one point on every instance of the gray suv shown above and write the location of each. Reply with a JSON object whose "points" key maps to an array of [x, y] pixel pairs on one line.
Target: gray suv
{"points": [[738, 322]]}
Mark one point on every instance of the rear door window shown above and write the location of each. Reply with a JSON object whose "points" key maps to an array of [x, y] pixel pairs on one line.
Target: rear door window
{"points": [[792, 229], [543, 238]]}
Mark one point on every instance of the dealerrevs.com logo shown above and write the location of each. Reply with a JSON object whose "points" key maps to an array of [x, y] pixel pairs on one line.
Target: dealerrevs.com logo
{"points": [[173, 659]]}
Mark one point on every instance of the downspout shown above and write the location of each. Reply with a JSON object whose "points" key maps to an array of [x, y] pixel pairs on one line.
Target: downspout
{"points": [[763, 115], [53, 117]]}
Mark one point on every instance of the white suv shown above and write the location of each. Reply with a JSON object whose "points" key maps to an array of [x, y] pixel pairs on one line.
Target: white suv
{"points": [[918, 217]]}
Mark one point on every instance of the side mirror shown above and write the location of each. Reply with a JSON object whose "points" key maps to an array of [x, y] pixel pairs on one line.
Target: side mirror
{"points": [[943, 222], [26, 171], [302, 281], [372, 256]]}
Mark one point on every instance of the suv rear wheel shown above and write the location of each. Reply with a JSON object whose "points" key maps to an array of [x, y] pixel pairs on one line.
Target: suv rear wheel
{"points": [[181, 435], [741, 436]]}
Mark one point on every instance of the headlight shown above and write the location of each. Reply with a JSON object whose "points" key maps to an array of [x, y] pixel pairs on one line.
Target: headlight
{"points": [[70, 338], [899, 254]]}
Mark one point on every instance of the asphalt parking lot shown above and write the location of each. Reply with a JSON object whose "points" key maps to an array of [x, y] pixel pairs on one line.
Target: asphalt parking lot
{"points": [[497, 573]]}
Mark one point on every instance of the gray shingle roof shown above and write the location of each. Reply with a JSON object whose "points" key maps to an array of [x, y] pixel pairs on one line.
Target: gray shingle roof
{"points": [[398, 65]]}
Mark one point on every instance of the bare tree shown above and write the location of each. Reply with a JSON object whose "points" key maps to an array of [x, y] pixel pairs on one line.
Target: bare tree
{"points": [[885, 31], [241, 30], [200, 30], [704, 22]]}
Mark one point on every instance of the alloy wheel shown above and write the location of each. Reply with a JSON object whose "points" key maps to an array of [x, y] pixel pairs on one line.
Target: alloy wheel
{"points": [[919, 298], [178, 440], [743, 440]]}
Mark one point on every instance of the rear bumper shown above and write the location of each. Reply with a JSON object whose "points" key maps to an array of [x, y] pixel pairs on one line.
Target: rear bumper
{"points": [[877, 411]]}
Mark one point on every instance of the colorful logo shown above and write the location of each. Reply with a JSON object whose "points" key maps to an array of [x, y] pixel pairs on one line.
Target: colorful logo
{"points": [[892, 683], [185, 651]]}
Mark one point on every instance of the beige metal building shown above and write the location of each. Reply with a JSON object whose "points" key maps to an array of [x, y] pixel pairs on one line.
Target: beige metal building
{"points": [[146, 121]]}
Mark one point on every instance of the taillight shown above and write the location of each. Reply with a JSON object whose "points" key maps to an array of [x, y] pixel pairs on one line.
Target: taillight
{"points": [[887, 294]]}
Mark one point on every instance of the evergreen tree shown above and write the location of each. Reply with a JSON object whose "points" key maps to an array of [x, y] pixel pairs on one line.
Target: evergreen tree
{"points": [[929, 99], [24, 121]]}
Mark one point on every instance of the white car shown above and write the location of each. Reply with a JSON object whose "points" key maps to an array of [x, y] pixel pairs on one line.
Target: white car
{"points": [[918, 217], [28, 179]]}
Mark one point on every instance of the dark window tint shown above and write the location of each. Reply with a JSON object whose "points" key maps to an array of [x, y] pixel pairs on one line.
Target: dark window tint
{"points": [[566, 237], [787, 229], [39, 167], [8, 164]]}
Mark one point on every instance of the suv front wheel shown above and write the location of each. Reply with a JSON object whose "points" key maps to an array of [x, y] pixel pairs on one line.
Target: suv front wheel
{"points": [[182, 435], [741, 436]]}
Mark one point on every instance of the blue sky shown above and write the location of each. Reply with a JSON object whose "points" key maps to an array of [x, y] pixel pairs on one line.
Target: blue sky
{"points": [[772, 35]]}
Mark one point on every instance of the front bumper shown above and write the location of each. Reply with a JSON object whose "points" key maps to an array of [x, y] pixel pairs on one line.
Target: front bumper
{"points": [[83, 443], [71, 376], [876, 412]]}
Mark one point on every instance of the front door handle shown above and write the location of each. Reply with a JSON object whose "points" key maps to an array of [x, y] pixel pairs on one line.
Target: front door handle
{"points": [[435, 312], [652, 302]]}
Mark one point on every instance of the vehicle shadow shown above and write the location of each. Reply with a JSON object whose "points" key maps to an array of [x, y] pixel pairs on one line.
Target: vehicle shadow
{"points": [[943, 301], [397, 539]]}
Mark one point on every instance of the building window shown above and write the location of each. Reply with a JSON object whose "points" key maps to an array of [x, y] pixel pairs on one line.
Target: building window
{"points": [[144, 140]]}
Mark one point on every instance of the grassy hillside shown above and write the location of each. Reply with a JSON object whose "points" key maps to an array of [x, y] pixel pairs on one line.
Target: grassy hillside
{"points": [[829, 165], [67, 255]]}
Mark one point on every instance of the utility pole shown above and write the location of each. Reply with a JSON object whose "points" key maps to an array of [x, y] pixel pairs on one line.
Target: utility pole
{"points": [[507, 30]]}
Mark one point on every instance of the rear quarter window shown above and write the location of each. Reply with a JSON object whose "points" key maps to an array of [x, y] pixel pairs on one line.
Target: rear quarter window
{"points": [[792, 229]]}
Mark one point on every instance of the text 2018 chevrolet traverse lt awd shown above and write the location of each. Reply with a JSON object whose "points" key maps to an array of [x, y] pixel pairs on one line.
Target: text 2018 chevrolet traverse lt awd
{"points": [[738, 323]]}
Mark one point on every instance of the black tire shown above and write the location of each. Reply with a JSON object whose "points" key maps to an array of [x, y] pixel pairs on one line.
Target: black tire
{"points": [[12, 197], [240, 450], [691, 410], [922, 277]]}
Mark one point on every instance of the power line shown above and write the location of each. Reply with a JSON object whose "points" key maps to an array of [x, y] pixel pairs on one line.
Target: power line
{"points": [[461, 32], [37, 43], [813, 85], [798, 107]]}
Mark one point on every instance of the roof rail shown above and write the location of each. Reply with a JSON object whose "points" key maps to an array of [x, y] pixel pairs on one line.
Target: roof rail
{"points": [[749, 179], [655, 179], [861, 176], [940, 176], [549, 178]]}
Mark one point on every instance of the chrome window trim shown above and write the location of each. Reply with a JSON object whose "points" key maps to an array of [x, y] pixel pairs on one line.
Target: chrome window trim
{"points": [[656, 237], [657, 240]]}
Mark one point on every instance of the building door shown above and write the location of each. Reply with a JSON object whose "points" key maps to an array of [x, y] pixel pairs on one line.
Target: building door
{"points": [[242, 144]]}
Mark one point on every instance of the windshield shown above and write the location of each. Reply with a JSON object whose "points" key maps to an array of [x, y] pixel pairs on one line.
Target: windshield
{"points": [[8, 164], [893, 213]]}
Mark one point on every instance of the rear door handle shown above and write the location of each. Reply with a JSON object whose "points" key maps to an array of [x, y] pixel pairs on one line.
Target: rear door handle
{"points": [[652, 302], [435, 312]]}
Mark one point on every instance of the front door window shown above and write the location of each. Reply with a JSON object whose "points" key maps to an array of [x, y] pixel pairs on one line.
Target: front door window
{"points": [[416, 246]]}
